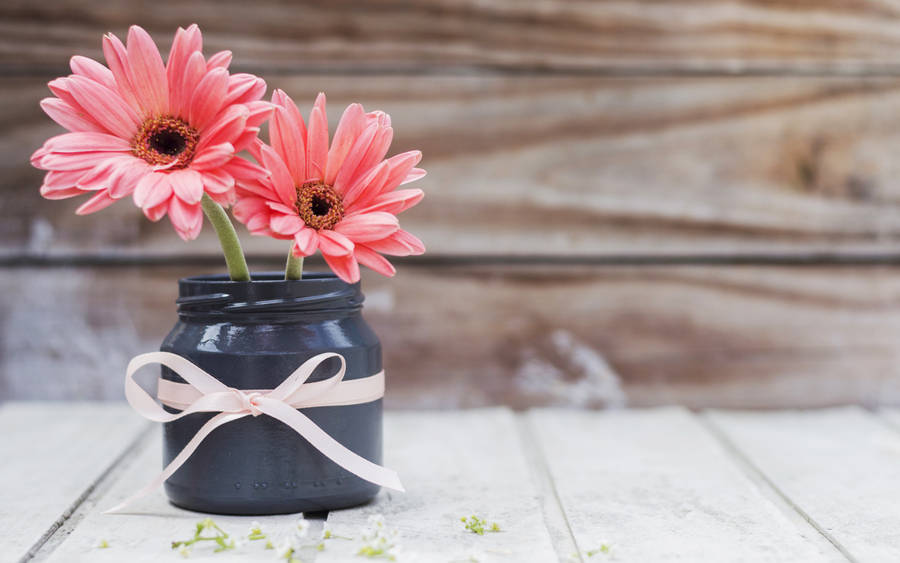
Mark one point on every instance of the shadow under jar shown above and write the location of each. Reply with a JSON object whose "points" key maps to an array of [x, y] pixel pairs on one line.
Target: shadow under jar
{"points": [[252, 335]]}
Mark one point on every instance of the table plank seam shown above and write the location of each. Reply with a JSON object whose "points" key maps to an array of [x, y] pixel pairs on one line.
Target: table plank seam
{"points": [[551, 504], [767, 486], [69, 519]]}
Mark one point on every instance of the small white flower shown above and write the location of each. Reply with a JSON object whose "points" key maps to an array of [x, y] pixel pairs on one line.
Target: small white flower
{"points": [[368, 533], [376, 521], [302, 527], [240, 541], [184, 551], [284, 549]]}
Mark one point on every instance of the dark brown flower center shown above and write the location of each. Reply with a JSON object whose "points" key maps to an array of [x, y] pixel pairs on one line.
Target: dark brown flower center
{"points": [[319, 205], [165, 141]]}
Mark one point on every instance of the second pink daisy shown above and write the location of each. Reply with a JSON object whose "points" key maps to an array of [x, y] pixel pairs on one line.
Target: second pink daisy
{"points": [[339, 198]]}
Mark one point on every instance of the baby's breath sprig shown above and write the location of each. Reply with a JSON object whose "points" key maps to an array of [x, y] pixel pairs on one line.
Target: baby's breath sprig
{"points": [[604, 549], [255, 532], [289, 550], [478, 525], [327, 534], [219, 536], [380, 543]]}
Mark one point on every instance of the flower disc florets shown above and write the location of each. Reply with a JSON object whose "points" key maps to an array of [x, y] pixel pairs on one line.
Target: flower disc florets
{"points": [[319, 205], [165, 141]]}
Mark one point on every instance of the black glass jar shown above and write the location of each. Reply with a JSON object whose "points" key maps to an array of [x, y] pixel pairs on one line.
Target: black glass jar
{"points": [[252, 335]]}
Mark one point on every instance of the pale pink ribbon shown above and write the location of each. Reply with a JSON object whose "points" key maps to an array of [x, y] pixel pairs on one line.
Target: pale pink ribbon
{"points": [[205, 393]]}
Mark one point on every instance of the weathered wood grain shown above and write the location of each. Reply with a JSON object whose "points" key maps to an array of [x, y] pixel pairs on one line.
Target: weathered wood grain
{"points": [[627, 36], [838, 467], [484, 335], [453, 464], [145, 532], [654, 486], [586, 166], [52, 455]]}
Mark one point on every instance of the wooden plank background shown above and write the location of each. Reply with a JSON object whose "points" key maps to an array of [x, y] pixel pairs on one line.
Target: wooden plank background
{"points": [[628, 202]]}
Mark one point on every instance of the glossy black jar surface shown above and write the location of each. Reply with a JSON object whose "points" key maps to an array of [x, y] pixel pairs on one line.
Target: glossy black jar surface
{"points": [[252, 335]]}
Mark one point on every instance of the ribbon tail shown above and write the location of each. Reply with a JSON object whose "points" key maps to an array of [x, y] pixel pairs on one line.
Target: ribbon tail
{"points": [[183, 455], [331, 448]]}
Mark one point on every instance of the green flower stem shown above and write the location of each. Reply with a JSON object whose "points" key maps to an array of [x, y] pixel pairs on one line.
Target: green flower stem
{"points": [[231, 246], [293, 270]]}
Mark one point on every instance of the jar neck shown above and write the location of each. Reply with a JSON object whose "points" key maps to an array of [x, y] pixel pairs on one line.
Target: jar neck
{"points": [[268, 298]]}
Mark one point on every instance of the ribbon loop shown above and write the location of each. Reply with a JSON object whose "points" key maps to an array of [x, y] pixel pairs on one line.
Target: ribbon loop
{"points": [[205, 393]]}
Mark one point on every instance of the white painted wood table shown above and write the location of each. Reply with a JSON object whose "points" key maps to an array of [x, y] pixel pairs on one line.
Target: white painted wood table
{"points": [[634, 485]]}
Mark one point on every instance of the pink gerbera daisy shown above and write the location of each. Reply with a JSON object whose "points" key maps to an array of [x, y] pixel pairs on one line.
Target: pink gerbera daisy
{"points": [[340, 199], [165, 133]]}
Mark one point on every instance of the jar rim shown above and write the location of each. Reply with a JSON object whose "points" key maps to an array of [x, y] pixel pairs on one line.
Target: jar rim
{"points": [[261, 277], [267, 295]]}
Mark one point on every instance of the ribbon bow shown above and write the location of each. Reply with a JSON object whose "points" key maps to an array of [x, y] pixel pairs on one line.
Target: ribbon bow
{"points": [[205, 393]]}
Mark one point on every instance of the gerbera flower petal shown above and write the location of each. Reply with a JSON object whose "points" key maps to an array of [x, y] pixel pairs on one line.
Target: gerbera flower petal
{"points": [[194, 71], [369, 226], [100, 177], [104, 106], [395, 202], [349, 128], [126, 176], [259, 112], [222, 59], [288, 143], [96, 203], [187, 218], [306, 241], [217, 182], [347, 174], [243, 169], [368, 257], [214, 157], [152, 190], [380, 143], [413, 175], [281, 178], [280, 98], [187, 185], [400, 243], [156, 213], [248, 207], [186, 43], [71, 161], [147, 72], [208, 97], [368, 186], [401, 165], [285, 224], [317, 140], [334, 243], [117, 58], [67, 116], [244, 88], [59, 179], [48, 192], [346, 267], [86, 141], [226, 128], [93, 70]]}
